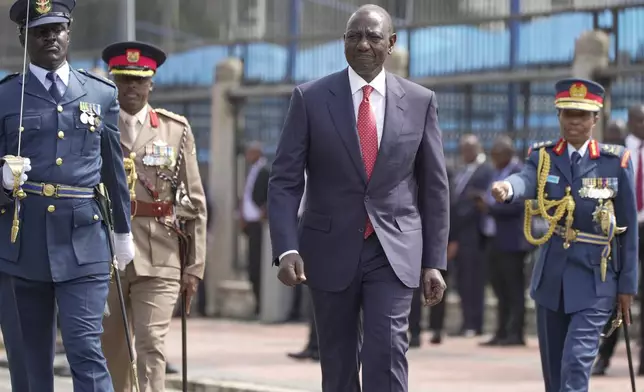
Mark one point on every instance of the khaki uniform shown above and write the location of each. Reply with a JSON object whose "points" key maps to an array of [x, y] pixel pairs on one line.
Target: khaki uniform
{"points": [[151, 282]]}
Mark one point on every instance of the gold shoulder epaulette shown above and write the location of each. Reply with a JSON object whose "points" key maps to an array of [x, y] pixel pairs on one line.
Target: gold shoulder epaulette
{"points": [[97, 77], [615, 150], [172, 116], [9, 77]]}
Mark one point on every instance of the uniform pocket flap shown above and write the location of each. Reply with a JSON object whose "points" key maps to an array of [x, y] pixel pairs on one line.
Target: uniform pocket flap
{"points": [[87, 214], [316, 221]]}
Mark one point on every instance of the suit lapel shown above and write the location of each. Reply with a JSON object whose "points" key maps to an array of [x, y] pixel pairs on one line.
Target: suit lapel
{"points": [[75, 89], [34, 88], [395, 107], [340, 105]]}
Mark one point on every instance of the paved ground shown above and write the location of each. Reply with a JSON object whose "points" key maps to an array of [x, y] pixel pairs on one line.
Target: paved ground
{"points": [[254, 355], [227, 350]]}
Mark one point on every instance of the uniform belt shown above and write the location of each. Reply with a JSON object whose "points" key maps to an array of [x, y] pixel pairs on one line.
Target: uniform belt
{"points": [[57, 190], [573, 235], [156, 209]]}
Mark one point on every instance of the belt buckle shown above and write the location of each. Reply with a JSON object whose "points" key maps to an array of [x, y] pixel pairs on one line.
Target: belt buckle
{"points": [[49, 190], [571, 234]]}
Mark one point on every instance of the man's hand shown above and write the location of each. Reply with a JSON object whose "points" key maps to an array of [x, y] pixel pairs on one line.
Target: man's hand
{"points": [[500, 191], [7, 175], [624, 302], [189, 284], [433, 286], [452, 250], [291, 270], [123, 249]]}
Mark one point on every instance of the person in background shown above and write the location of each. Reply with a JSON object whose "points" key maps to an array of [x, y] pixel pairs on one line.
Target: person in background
{"points": [[506, 251], [253, 215], [467, 237], [615, 132]]}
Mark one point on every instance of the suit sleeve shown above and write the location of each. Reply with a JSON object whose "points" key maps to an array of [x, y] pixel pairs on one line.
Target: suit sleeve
{"points": [[524, 183], [113, 172], [196, 227], [433, 191], [5, 197], [286, 183], [626, 214], [507, 210]]}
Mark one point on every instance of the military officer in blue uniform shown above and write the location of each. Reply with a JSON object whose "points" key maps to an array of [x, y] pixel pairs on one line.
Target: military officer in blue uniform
{"points": [[588, 260], [59, 256]]}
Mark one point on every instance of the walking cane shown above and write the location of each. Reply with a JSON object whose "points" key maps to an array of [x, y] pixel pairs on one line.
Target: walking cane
{"points": [[105, 206]]}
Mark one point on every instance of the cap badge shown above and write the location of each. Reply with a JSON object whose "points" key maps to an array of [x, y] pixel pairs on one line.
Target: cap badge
{"points": [[133, 56], [43, 6], [578, 91]]}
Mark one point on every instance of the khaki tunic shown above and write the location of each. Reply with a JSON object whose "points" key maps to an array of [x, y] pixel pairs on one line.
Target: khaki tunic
{"points": [[151, 282]]}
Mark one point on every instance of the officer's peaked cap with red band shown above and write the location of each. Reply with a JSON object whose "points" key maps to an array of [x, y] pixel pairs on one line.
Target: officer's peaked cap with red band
{"points": [[133, 58], [579, 94]]}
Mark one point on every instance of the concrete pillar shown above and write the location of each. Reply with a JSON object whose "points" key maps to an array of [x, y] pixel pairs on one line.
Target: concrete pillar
{"points": [[221, 184], [591, 57], [276, 298], [398, 62]]}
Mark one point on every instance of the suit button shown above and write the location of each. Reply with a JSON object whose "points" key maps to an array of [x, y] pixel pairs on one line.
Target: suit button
{"points": [[61, 134], [59, 161], [361, 230], [51, 208], [60, 109]]}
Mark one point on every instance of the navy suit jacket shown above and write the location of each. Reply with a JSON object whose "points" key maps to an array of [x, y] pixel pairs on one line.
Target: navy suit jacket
{"points": [[407, 197], [467, 219], [62, 239]]}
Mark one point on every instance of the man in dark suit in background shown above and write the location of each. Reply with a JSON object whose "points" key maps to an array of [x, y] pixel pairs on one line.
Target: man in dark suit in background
{"points": [[377, 209], [468, 238], [506, 250], [253, 214]]}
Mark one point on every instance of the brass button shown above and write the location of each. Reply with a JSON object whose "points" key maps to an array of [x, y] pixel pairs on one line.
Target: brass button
{"points": [[2, 211], [95, 217], [92, 128], [60, 109], [59, 161], [51, 208], [21, 129], [61, 134]]}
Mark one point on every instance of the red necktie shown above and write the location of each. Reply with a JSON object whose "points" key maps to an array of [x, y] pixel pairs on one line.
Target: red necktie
{"points": [[639, 179], [368, 133]]}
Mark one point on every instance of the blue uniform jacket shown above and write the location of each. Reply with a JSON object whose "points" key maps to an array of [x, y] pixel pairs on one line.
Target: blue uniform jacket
{"points": [[575, 272], [62, 239]]}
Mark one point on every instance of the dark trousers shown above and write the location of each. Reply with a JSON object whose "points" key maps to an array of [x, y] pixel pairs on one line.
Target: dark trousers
{"points": [[436, 312], [313, 331], [254, 232], [380, 345], [607, 347], [507, 278], [470, 282]]}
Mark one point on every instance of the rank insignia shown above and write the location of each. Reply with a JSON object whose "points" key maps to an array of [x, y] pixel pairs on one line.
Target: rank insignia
{"points": [[598, 188], [43, 6], [133, 56], [90, 113], [159, 154]]}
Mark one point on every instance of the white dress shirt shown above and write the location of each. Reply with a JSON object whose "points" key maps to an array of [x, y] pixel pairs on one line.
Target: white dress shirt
{"points": [[63, 77], [571, 150], [250, 211], [633, 144], [377, 100]]}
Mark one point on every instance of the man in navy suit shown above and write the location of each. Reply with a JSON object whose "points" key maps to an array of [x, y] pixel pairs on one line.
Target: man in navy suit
{"points": [[506, 250], [61, 255], [377, 210]]}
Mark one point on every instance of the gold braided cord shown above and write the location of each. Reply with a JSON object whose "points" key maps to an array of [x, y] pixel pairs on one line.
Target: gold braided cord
{"points": [[543, 205]]}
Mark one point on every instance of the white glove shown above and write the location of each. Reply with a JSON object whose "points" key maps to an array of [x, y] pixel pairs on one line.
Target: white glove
{"points": [[7, 176], [123, 249]]}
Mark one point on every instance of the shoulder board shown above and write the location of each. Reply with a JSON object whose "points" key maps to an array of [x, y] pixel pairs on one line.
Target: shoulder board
{"points": [[172, 116], [547, 143], [9, 77], [97, 77], [614, 150]]}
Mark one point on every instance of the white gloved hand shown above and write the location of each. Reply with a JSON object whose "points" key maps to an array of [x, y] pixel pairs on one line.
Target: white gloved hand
{"points": [[123, 249], [7, 176]]}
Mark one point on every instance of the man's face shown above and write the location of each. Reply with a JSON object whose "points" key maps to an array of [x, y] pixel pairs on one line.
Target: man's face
{"points": [[47, 44], [636, 122], [133, 92], [367, 43], [469, 152], [252, 155], [501, 156], [577, 125]]}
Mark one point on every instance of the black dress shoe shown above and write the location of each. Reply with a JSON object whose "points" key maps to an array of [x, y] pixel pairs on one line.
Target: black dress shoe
{"points": [[600, 367], [466, 333], [640, 371], [414, 341], [511, 341], [437, 338], [307, 353], [492, 342], [170, 369]]}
